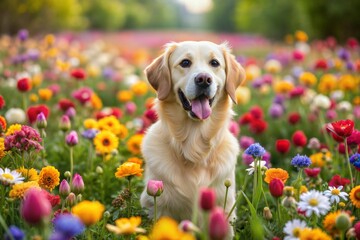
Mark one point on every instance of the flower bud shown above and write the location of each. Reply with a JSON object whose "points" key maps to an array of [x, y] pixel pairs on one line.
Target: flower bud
{"points": [[79, 198], [288, 202], [227, 183], [41, 121], [288, 191], [276, 187], [67, 174], [65, 123], [218, 224], [188, 226], [72, 139], [154, 188], [64, 188], [35, 206], [77, 184], [70, 112], [70, 199], [130, 108], [314, 144], [107, 214], [99, 170], [267, 213], [343, 222], [207, 199]]}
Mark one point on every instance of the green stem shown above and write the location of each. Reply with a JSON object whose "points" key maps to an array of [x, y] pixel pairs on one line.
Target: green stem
{"points": [[129, 203], [226, 194], [71, 162], [89, 234], [235, 203], [255, 180], [348, 163], [3, 224], [155, 210], [279, 209]]}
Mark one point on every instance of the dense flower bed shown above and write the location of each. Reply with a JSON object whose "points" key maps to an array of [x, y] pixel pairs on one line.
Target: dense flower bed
{"points": [[73, 115]]}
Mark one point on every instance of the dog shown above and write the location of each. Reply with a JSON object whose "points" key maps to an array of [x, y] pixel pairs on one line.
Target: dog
{"points": [[190, 146]]}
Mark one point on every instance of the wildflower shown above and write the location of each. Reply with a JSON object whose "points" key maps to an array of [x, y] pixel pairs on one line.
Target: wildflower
{"points": [[355, 196], [70, 199], [65, 123], [2, 124], [64, 104], [35, 206], [90, 123], [124, 95], [246, 141], [15, 233], [167, 228], [329, 222], [272, 66], [15, 115], [88, 212], [293, 228], [342, 128], [49, 178], [134, 143], [12, 129], [354, 139], [83, 95], [41, 121], [357, 230], [130, 108], [207, 199], [276, 187], [347, 82], [313, 202], [68, 226], [29, 174], [34, 111], [77, 184], [45, 94], [26, 139], [126, 226], [135, 160], [334, 194], [154, 188], [8, 177], [188, 226], [279, 173], [312, 172], [294, 118], [258, 126], [72, 139], [18, 190], [53, 199], [355, 160], [327, 83], [129, 169], [2, 148], [218, 224], [301, 161], [315, 233], [267, 213], [319, 159], [139, 88], [314, 144], [299, 138], [343, 221], [337, 181], [105, 142], [64, 188], [321, 102], [78, 73], [255, 150], [2, 102], [251, 170], [283, 87], [307, 79], [24, 84]]}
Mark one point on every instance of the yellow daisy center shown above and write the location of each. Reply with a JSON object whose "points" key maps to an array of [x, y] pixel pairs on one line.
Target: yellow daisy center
{"points": [[335, 191], [296, 232], [8, 176], [313, 202]]}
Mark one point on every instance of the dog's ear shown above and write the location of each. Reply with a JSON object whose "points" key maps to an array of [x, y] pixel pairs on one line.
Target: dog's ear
{"points": [[158, 72], [235, 74]]}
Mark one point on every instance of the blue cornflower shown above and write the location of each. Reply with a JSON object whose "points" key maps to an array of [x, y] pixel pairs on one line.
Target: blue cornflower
{"points": [[355, 160], [255, 150], [301, 161], [90, 133], [15, 232], [68, 225]]}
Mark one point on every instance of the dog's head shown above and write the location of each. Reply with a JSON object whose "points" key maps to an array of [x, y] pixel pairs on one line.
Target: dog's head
{"points": [[197, 73]]}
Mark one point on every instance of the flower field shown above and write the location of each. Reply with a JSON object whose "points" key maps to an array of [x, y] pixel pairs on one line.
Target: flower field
{"points": [[74, 110]]}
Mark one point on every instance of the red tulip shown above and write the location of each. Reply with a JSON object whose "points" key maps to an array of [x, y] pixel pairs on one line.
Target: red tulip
{"points": [[79, 74], [321, 64], [258, 126], [256, 112], [276, 187], [218, 224], [294, 118], [32, 112], [207, 199], [35, 206], [282, 145], [246, 119], [342, 128], [24, 84], [299, 138]]}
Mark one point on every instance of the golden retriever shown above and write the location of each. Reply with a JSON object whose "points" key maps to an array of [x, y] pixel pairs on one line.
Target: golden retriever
{"points": [[190, 146]]}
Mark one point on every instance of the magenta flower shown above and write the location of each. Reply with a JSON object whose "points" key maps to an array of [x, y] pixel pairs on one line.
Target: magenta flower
{"points": [[77, 184], [218, 225], [72, 139], [65, 123], [26, 139], [155, 188], [35, 206], [41, 120], [64, 188], [83, 95], [207, 199]]}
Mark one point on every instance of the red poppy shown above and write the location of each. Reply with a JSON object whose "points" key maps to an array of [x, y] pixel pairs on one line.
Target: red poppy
{"points": [[24, 84], [276, 187], [33, 111], [2, 102], [337, 181], [258, 126], [246, 119], [312, 172], [299, 138], [282, 145], [64, 104], [321, 64], [342, 128], [294, 118], [78, 74], [256, 112]]}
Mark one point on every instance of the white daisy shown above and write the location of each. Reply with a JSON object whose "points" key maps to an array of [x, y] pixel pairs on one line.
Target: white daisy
{"points": [[314, 202], [8, 177], [293, 229], [334, 194], [252, 169]]}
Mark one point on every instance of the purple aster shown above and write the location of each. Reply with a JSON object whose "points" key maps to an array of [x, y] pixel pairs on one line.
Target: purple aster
{"points": [[301, 161], [255, 150]]}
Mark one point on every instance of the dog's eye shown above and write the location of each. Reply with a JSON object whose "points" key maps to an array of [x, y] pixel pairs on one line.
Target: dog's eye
{"points": [[214, 63], [185, 63]]}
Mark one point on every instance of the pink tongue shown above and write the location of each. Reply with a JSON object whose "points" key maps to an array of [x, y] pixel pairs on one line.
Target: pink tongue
{"points": [[201, 108]]}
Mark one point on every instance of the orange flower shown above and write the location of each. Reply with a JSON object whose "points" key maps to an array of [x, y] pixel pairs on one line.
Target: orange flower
{"points": [[2, 124], [134, 144], [135, 160], [129, 169], [273, 173]]}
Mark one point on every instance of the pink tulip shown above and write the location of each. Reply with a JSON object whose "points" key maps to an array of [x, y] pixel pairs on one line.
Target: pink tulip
{"points": [[64, 188], [77, 184], [155, 188], [130, 108], [207, 199], [72, 138], [35, 206], [218, 225]]}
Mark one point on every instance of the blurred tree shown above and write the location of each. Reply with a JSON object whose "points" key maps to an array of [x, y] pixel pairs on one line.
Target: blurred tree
{"points": [[40, 15], [222, 16]]}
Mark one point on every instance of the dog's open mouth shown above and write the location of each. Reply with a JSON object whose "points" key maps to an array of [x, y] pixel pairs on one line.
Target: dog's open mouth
{"points": [[199, 108]]}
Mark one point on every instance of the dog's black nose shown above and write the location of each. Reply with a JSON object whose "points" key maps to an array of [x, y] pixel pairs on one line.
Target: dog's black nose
{"points": [[203, 80]]}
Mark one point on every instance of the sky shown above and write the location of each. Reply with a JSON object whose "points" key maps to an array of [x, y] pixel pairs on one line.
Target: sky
{"points": [[197, 6]]}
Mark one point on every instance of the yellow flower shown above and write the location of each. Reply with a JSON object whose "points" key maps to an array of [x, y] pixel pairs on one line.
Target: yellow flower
{"points": [[96, 102], [29, 174], [124, 95], [126, 226], [283, 87], [36, 80], [314, 234], [134, 144], [319, 159], [356, 100], [45, 94], [329, 221], [2, 148], [51, 53], [90, 123], [243, 95], [307, 78], [167, 228], [62, 65], [88, 212], [279, 173], [129, 169], [18, 190], [49, 178], [252, 71], [135, 160], [12, 129], [33, 98], [93, 71], [105, 142], [121, 131], [347, 82], [49, 39], [301, 36], [355, 196], [303, 189], [327, 83], [108, 123], [139, 88]]}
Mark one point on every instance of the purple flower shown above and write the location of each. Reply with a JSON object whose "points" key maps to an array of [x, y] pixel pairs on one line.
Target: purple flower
{"points": [[255, 150], [72, 139], [355, 160], [276, 111], [90, 133], [41, 120], [70, 112], [15, 232], [64, 188], [301, 161], [23, 34], [246, 141], [77, 184], [68, 226], [343, 54]]}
